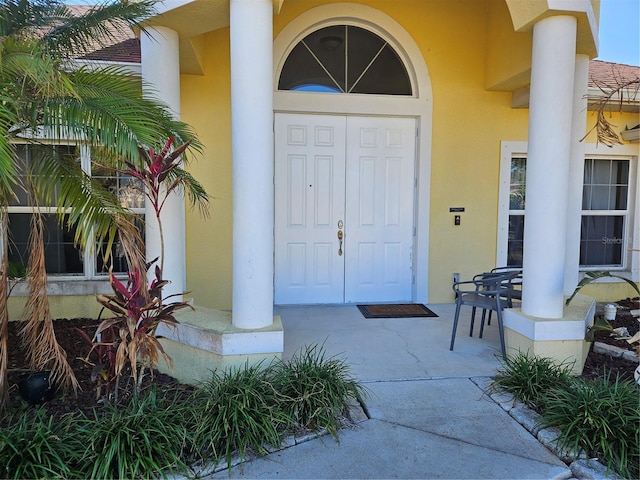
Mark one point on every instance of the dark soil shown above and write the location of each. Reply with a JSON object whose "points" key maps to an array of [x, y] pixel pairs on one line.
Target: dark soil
{"points": [[86, 400], [598, 364], [77, 348], [623, 319]]}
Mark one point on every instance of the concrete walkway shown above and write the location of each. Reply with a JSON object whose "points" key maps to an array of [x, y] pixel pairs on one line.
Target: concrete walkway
{"points": [[428, 418]]}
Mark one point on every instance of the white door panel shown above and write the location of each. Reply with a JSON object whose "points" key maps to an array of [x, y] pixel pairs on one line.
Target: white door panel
{"points": [[379, 214], [356, 169], [309, 186]]}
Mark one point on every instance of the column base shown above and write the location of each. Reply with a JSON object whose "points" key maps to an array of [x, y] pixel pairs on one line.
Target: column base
{"points": [[562, 339], [206, 340]]}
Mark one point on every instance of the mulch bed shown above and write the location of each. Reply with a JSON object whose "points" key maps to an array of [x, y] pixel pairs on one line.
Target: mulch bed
{"points": [[86, 400], [77, 348], [598, 364]]}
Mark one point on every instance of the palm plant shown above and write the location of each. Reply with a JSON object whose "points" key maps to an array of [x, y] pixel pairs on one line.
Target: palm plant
{"points": [[103, 108]]}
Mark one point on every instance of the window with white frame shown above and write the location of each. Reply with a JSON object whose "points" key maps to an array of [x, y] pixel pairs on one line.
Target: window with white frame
{"points": [[63, 257], [605, 212], [609, 207]]}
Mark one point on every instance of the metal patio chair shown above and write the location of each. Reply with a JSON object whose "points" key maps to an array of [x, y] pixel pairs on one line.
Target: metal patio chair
{"points": [[511, 294], [489, 291], [515, 282]]}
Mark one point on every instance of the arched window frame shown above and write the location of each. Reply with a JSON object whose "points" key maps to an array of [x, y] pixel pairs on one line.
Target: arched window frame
{"points": [[340, 84], [373, 27]]}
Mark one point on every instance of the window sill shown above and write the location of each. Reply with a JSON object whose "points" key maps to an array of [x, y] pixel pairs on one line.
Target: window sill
{"points": [[628, 274], [58, 287]]}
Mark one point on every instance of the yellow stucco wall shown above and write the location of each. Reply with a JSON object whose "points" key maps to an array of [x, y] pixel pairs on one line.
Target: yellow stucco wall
{"points": [[506, 66], [610, 291], [467, 46], [620, 121], [61, 306], [206, 106]]}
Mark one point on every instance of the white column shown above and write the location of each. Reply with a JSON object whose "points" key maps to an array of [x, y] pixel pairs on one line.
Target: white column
{"points": [[576, 174], [161, 73], [252, 150], [550, 118]]}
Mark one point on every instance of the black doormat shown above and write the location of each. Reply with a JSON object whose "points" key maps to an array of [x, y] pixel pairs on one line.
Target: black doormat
{"points": [[406, 310]]}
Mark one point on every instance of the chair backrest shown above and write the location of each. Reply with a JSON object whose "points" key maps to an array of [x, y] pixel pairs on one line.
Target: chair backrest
{"points": [[517, 279], [493, 282]]}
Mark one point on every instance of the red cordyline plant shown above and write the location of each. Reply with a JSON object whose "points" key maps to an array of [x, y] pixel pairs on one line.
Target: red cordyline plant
{"points": [[138, 312], [129, 337], [158, 167]]}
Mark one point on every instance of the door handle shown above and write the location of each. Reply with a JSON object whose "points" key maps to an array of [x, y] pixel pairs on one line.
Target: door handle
{"points": [[340, 235]]}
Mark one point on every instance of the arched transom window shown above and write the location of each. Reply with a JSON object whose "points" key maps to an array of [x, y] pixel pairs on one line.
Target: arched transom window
{"points": [[345, 59]]}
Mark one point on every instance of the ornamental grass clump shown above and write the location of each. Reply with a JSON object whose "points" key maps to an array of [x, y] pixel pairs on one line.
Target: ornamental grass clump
{"points": [[600, 417], [238, 412], [529, 378], [35, 445], [148, 437], [316, 391], [158, 433]]}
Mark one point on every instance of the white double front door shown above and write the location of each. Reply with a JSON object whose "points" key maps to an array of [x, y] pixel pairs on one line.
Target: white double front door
{"points": [[344, 208]]}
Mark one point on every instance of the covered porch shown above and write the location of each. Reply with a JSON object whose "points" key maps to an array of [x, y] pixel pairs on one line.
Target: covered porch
{"points": [[395, 348], [375, 349]]}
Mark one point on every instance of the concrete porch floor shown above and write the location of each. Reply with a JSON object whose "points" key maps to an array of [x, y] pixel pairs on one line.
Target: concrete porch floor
{"points": [[394, 349]]}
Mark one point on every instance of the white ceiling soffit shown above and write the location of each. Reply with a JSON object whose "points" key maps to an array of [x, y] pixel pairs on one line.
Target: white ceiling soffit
{"points": [[191, 18]]}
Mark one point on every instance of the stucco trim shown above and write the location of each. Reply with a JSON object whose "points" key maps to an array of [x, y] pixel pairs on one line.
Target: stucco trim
{"points": [[525, 15]]}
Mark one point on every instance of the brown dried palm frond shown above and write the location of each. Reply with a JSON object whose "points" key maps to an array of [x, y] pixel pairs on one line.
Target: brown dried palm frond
{"points": [[4, 312], [132, 243], [605, 132], [38, 336], [615, 93]]}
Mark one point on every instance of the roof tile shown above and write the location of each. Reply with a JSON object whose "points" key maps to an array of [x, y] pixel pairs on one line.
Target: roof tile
{"points": [[609, 74]]}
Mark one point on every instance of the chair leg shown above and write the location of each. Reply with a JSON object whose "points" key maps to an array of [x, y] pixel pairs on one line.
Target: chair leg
{"points": [[455, 325], [489, 320], [473, 319], [501, 330], [484, 314]]}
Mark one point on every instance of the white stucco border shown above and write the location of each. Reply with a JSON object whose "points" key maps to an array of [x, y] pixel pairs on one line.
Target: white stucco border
{"points": [[420, 106]]}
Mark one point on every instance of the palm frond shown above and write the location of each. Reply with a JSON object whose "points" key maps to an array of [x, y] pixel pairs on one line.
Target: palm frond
{"points": [[611, 98], [194, 190], [27, 76], [82, 202], [37, 333], [112, 112], [29, 18], [24, 60], [8, 172], [79, 34], [65, 32], [4, 312]]}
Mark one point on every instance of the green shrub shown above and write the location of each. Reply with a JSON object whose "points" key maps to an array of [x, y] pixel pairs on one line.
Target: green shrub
{"points": [[528, 378], [316, 391], [34, 445], [601, 418], [238, 411], [147, 437], [155, 434]]}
